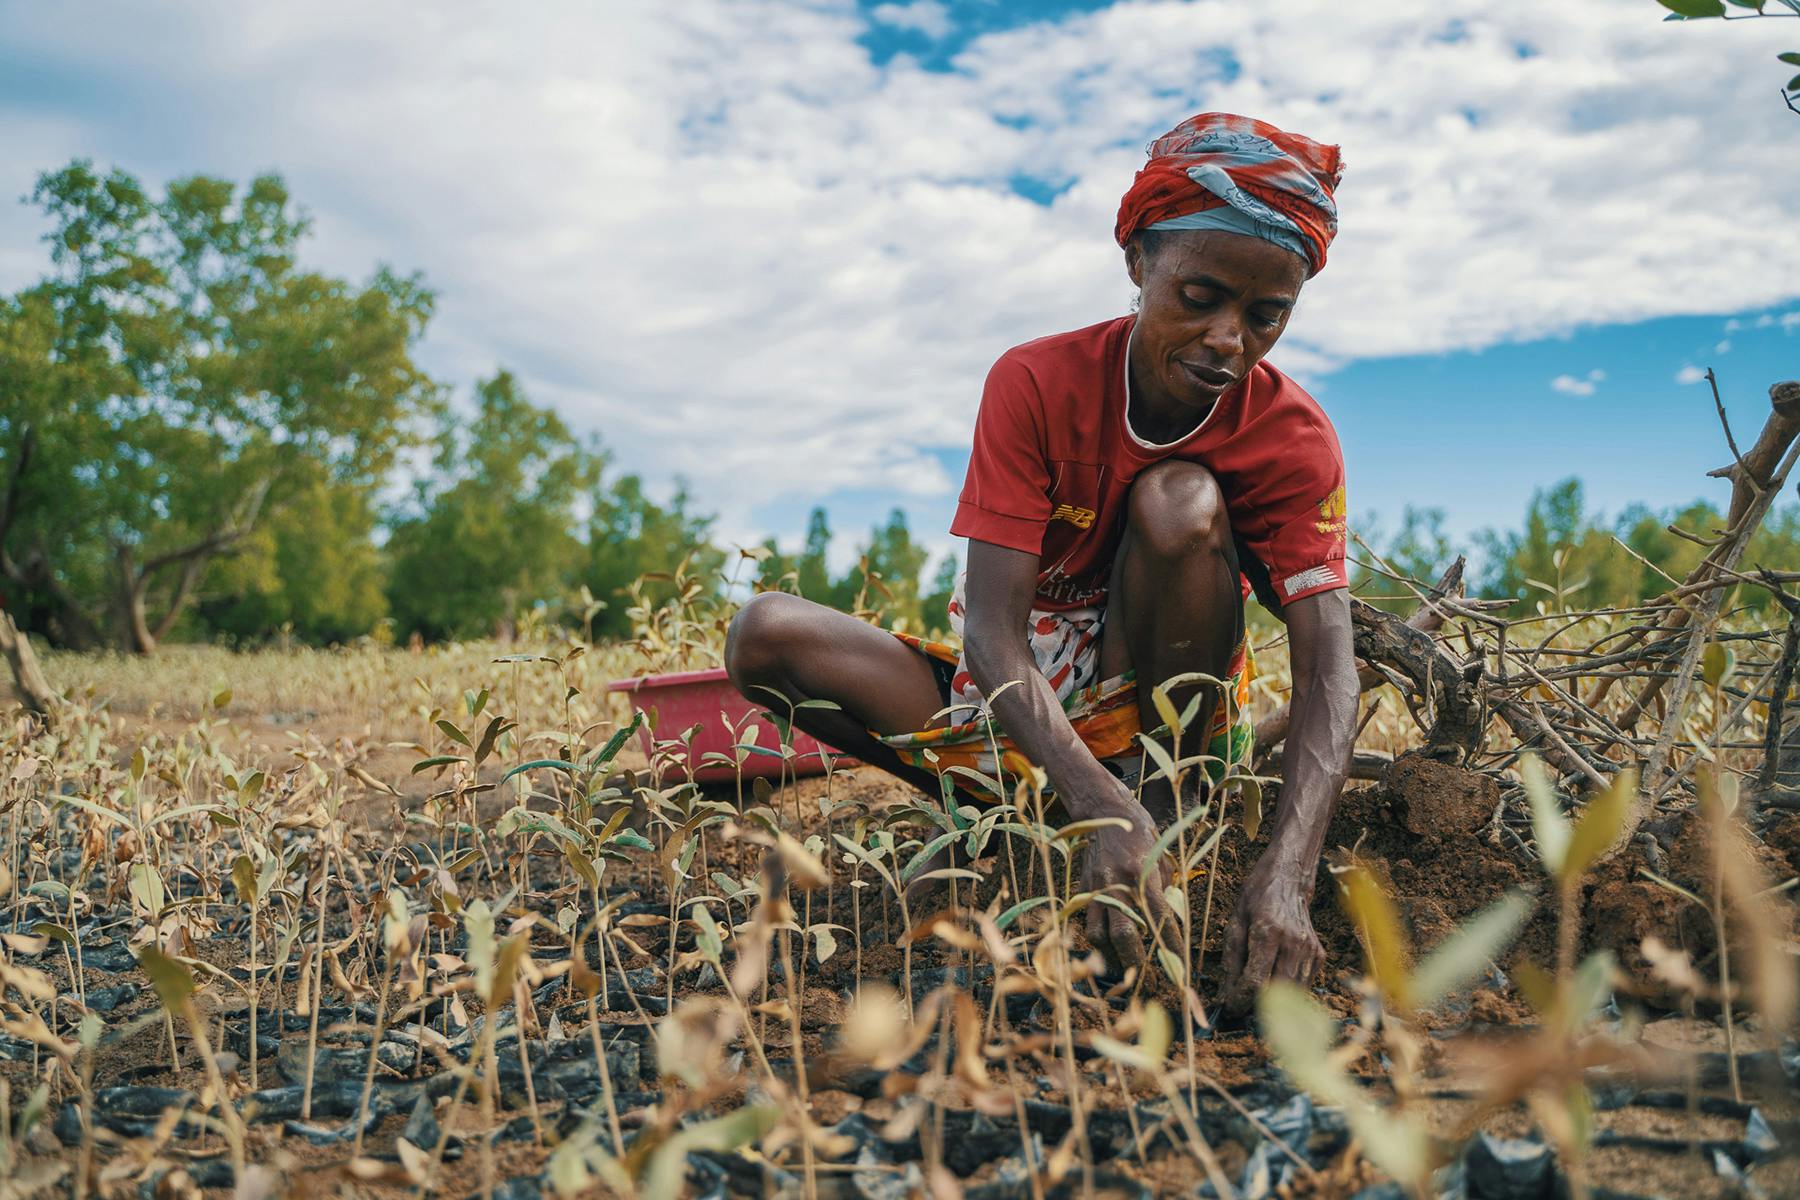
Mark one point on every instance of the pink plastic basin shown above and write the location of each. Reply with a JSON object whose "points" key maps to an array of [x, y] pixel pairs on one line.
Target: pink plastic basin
{"points": [[707, 699]]}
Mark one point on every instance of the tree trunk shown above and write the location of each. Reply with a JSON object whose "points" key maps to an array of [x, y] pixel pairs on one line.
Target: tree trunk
{"points": [[33, 688], [134, 623], [1778, 783], [134, 580], [66, 623], [56, 615]]}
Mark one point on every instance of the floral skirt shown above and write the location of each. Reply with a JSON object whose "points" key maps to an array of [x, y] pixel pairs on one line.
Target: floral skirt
{"points": [[1104, 713]]}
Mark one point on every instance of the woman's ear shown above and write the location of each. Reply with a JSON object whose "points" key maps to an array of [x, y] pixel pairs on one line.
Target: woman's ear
{"points": [[1134, 262]]}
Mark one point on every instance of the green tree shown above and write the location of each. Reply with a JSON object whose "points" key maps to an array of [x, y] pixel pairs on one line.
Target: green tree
{"points": [[935, 607], [807, 574], [312, 567], [1420, 550], [885, 578], [494, 528], [39, 517], [1561, 559], [175, 379], [813, 571], [630, 535], [1741, 10], [1565, 558], [894, 563]]}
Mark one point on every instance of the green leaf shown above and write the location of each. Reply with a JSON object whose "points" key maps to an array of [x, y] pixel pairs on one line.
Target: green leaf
{"points": [[868, 859], [1693, 9], [1122, 1053], [1717, 662], [923, 857], [706, 935], [1167, 838], [1165, 708], [1590, 988], [1671, 885], [489, 736], [1388, 949], [1548, 825], [1165, 766], [1252, 794], [478, 924], [1601, 823], [1300, 1033], [668, 1165], [540, 764], [986, 782], [1018, 910], [1467, 952], [36, 1105], [1079, 829], [453, 733], [1793, 85], [98, 810], [1115, 902], [631, 839], [436, 760], [1792, 58], [569, 1173], [616, 742], [525, 820], [53, 931], [176, 814], [173, 982], [50, 889], [147, 888], [243, 877]]}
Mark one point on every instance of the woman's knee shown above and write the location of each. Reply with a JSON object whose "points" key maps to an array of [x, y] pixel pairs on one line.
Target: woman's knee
{"points": [[1177, 508], [759, 640]]}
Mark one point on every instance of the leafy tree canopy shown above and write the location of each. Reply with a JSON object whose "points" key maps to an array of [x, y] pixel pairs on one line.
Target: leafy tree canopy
{"points": [[174, 378]]}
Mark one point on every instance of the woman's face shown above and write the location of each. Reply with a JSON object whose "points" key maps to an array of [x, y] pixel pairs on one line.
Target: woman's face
{"points": [[1212, 304]]}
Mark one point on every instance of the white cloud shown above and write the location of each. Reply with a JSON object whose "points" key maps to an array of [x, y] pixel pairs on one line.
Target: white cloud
{"points": [[929, 17], [1578, 386], [1723, 346], [721, 236], [1690, 374]]}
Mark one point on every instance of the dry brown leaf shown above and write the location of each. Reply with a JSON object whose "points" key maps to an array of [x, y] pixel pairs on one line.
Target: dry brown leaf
{"points": [[1673, 967], [29, 944]]}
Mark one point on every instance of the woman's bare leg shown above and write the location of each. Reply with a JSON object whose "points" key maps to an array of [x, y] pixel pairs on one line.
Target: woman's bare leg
{"points": [[806, 651], [1175, 604]]}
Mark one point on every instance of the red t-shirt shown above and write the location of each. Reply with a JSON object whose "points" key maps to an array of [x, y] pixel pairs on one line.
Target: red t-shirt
{"points": [[1054, 458]]}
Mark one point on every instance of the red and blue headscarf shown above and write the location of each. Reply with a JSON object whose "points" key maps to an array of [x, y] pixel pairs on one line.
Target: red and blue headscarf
{"points": [[1220, 171]]}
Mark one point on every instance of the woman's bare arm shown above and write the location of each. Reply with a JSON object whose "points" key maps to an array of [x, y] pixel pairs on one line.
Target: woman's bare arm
{"points": [[998, 592]]}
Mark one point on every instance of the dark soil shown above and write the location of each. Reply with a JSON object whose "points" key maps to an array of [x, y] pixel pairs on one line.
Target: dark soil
{"points": [[1435, 833]]}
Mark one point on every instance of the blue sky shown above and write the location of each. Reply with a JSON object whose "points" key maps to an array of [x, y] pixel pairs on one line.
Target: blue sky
{"points": [[771, 246]]}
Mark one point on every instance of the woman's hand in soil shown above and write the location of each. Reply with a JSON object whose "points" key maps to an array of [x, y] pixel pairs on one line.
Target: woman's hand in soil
{"points": [[1270, 937], [1113, 865]]}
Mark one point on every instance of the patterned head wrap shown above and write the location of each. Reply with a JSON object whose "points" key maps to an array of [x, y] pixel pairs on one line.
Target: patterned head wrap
{"points": [[1219, 171]]}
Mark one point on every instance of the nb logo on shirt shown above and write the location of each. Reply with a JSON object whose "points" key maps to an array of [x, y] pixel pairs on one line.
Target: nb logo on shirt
{"points": [[1081, 518]]}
